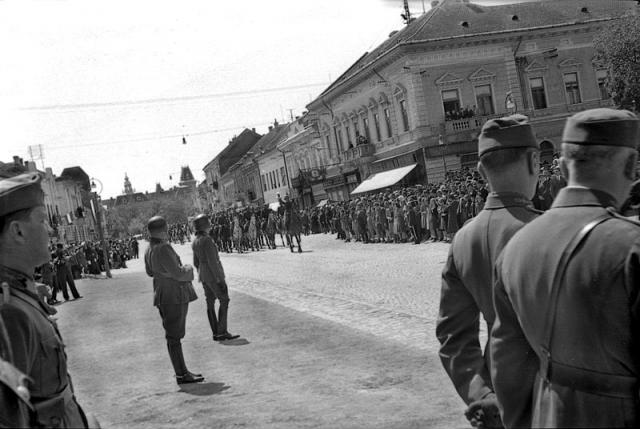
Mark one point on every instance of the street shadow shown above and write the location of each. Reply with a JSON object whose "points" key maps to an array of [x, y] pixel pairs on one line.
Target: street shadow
{"points": [[204, 389], [235, 342]]}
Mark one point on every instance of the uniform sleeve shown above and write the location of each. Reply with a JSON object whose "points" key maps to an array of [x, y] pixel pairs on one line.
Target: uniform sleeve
{"points": [[211, 253], [514, 364], [457, 330], [168, 261], [23, 338], [632, 280], [196, 261]]}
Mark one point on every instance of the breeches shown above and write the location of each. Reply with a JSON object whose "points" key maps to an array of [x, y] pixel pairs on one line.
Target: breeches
{"points": [[174, 318]]}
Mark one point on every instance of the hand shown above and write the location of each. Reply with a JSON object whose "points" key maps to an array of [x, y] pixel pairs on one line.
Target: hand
{"points": [[484, 413]]}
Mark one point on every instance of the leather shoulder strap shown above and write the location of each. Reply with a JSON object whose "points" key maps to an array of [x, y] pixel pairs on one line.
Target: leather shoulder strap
{"points": [[561, 269]]}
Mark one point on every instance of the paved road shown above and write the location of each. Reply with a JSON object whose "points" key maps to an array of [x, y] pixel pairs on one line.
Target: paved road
{"points": [[338, 336]]}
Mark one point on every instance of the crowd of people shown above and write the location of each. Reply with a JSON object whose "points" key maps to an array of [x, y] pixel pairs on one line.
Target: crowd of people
{"points": [[75, 261]]}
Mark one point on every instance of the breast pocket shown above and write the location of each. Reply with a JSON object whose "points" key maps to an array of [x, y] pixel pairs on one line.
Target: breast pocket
{"points": [[53, 366]]}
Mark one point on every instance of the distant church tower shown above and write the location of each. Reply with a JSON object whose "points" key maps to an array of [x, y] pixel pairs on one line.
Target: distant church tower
{"points": [[186, 177], [128, 190]]}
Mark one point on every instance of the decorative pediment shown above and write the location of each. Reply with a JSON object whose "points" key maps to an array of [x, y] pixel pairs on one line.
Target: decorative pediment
{"points": [[481, 75], [372, 103], [399, 90], [383, 99], [536, 66], [569, 62], [448, 79]]}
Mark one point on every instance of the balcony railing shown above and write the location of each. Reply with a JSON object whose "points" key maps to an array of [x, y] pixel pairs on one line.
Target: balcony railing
{"points": [[466, 124], [358, 152], [568, 108]]}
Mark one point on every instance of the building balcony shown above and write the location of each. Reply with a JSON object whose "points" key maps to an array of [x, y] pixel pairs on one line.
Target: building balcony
{"points": [[358, 152], [468, 124]]}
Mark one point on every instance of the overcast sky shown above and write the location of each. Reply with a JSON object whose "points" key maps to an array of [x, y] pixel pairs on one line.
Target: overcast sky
{"points": [[112, 86]]}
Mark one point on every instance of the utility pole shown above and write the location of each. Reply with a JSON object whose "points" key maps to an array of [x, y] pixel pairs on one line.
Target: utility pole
{"points": [[291, 114], [105, 253]]}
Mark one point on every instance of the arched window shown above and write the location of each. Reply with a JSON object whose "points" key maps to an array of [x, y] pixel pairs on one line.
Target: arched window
{"points": [[546, 151]]}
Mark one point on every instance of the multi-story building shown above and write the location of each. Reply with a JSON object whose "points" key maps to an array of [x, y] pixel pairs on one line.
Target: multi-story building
{"points": [[306, 161], [215, 169], [67, 199], [420, 98]]}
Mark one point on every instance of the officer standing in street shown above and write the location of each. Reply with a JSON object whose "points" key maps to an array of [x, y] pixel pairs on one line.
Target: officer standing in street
{"points": [[565, 346], [207, 260], [509, 162], [36, 345], [172, 293]]}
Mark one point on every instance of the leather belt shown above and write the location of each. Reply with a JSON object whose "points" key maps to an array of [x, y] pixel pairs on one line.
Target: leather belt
{"points": [[585, 380]]}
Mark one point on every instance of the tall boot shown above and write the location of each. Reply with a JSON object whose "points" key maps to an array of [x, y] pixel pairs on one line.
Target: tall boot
{"points": [[177, 358], [213, 321]]}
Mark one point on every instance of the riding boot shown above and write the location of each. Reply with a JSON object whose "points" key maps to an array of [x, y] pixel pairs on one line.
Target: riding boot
{"points": [[213, 321], [177, 359]]}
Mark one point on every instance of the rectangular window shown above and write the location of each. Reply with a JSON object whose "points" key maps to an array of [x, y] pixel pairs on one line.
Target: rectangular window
{"points": [[405, 115], [273, 180], [484, 100], [376, 124], [348, 133], [537, 93], [283, 175], [327, 143], [338, 135], [387, 120], [450, 101], [264, 183], [601, 76], [572, 88], [356, 127], [365, 124]]}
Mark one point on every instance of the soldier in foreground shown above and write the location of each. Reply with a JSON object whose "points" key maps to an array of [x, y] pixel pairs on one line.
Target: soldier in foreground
{"points": [[36, 345], [566, 340], [172, 293], [509, 162], [211, 275]]}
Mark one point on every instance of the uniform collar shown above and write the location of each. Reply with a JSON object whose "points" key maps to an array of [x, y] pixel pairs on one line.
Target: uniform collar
{"points": [[572, 196], [14, 277], [500, 200]]}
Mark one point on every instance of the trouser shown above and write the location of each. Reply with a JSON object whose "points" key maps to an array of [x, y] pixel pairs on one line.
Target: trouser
{"points": [[174, 319], [63, 276], [219, 291]]}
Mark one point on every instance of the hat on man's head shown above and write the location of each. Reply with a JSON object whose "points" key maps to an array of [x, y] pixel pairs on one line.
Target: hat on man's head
{"points": [[506, 133], [156, 225], [201, 223], [20, 192], [606, 127]]}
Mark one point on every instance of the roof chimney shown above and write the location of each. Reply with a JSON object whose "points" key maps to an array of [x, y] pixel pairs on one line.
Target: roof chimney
{"points": [[270, 128], [16, 160], [253, 129]]}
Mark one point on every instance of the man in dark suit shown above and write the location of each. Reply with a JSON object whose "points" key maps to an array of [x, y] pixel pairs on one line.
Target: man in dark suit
{"points": [[207, 260], [565, 346], [509, 162], [172, 293], [63, 274]]}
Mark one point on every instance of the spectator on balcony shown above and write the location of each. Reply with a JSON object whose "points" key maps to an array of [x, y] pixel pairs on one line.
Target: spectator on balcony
{"points": [[360, 140]]}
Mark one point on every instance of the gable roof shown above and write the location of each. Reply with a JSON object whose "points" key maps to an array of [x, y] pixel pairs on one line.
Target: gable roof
{"points": [[444, 21]]}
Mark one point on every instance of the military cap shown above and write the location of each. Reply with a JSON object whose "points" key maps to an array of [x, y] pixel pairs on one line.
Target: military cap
{"points": [[20, 192], [506, 133], [606, 127], [156, 223], [201, 222]]}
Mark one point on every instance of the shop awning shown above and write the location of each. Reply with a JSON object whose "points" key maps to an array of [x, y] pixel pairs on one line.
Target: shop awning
{"points": [[322, 203], [383, 179]]}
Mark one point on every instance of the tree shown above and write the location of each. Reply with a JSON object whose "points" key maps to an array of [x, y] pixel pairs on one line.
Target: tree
{"points": [[618, 48]]}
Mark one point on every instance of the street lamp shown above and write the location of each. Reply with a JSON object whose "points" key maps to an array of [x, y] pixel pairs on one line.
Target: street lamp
{"points": [[99, 213], [441, 144]]}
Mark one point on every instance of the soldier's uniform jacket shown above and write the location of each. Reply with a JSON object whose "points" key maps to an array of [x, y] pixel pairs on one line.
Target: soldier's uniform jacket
{"points": [[591, 379], [206, 259], [38, 352], [467, 290], [171, 281]]}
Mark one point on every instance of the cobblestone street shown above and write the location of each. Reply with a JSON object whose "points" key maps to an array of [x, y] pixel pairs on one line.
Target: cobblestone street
{"points": [[340, 336], [390, 290]]}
